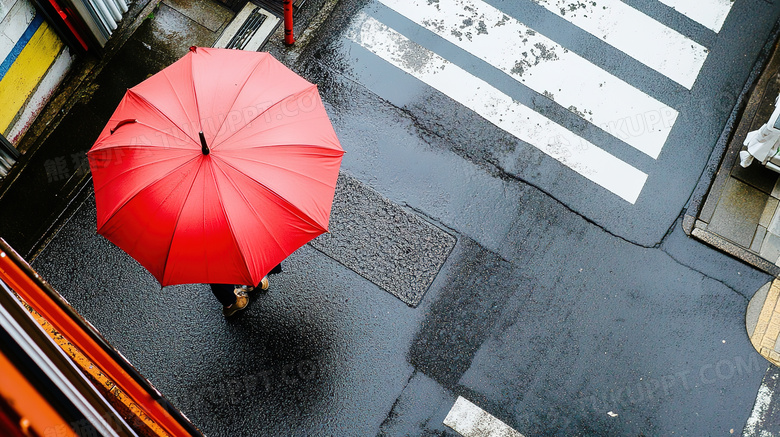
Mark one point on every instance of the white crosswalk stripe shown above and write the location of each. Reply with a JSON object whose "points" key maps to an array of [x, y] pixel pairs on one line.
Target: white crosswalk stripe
{"points": [[546, 67], [663, 49], [708, 13], [553, 139], [469, 420]]}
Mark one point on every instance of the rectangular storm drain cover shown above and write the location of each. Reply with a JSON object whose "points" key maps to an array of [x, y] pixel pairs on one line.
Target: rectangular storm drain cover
{"points": [[249, 30], [391, 247], [246, 31]]}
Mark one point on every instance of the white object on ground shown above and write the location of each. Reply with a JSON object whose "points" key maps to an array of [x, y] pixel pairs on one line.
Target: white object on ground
{"points": [[762, 144]]}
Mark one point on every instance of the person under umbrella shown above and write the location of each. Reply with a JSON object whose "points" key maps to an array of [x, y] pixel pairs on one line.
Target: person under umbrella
{"points": [[216, 169], [235, 298]]}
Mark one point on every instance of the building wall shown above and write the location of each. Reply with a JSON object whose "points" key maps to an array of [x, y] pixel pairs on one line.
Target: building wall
{"points": [[33, 61]]}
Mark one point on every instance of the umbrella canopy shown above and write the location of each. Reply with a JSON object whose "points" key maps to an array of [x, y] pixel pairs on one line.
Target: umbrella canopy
{"points": [[216, 168]]}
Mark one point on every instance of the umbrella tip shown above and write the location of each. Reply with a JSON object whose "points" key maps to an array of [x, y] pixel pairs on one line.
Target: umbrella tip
{"points": [[193, 48], [203, 146]]}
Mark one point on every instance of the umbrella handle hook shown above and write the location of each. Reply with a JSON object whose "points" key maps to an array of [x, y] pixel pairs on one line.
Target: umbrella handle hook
{"points": [[122, 123]]}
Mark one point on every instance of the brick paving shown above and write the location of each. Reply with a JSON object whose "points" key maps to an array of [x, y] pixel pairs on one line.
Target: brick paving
{"points": [[767, 328]]}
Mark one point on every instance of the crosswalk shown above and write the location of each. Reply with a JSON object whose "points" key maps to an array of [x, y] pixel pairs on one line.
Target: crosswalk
{"points": [[548, 68]]}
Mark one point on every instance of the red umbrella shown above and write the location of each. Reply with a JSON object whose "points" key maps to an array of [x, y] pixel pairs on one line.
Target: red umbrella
{"points": [[216, 168]]}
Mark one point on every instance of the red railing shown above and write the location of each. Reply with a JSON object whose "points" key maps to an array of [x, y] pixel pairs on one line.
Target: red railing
{"points": [[289, 38]]}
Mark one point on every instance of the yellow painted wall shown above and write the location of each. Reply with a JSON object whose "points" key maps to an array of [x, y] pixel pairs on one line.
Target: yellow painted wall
{"points": [[26, 72]]}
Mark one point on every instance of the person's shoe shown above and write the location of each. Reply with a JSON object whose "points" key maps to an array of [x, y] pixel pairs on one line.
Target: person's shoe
{"points": [[242, 300], [264, 283]]}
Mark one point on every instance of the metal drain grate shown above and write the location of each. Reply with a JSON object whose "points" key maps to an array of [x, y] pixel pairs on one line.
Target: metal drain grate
{"points": [[250, 29], [383, 242], [247, 30], [276, 6]]}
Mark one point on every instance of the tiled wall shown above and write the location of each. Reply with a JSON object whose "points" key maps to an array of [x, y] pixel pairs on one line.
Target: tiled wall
{"points": [[766, 241]]}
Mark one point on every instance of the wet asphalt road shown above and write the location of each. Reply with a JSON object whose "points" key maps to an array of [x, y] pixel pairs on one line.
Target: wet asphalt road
{"points": [[703, 110], [551, 311]]}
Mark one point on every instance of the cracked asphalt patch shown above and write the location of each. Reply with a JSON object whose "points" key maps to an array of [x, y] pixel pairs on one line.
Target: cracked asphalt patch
{"points": [[393, 248], [478, 284]]}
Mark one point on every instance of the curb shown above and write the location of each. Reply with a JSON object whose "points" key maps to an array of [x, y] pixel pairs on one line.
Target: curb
{"points": [[723, 158], [309, 30]]}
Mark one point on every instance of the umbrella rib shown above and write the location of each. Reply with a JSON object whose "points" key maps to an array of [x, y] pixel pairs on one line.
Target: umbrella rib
{"points": [[263, 113], [287, 126], [163, 114], [289, 206], [315, 146], [142, 166], [230, 224], [156, 129], [161, 280], [178, 218], [236, 99], [129, 199], [258, 216], [194, 92], [251, 207], [178, 99], [279, 167]]}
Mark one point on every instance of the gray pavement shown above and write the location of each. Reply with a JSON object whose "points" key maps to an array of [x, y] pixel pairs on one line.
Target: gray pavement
{"points": [[327, 352], [703, 110], [547, 320], [311, 357], [537, 328]]}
